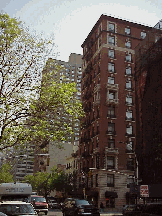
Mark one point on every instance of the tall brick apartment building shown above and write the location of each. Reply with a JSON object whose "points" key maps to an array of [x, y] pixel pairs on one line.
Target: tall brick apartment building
{"points": [[107, 138]]}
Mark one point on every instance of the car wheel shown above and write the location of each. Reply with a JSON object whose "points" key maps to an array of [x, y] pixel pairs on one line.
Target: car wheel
{"points": [[46, 213]]}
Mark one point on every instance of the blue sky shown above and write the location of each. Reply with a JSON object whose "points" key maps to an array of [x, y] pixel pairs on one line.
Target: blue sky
{"points": [[71, 21]]}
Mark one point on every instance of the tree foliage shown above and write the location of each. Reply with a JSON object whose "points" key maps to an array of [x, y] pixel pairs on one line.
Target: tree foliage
{"points": [[5, 175], [53, 114], [44, 183], [30, 103], [22, 57]]}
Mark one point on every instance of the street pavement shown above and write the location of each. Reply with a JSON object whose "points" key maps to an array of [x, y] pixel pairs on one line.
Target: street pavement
{"points": [[57, 212]]}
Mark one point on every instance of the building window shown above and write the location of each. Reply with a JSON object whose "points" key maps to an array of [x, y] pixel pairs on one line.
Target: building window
{"points": [[97, 161], [129, 100], [92, 159], [111, 143], [80, 182], [128, 71], [96, 180], [128, 44], [97, 141], [110, 180], [129, 147], [100, 28], [143, 35], [111, 27], [129, 130], [91, 180], [111, 95], [111, 80], [127, 31], [111, 40], [111, 112], [98, 113], [96, 47], [129, 114], [99, 41], [110, 162], [128, 57], [74, 163], [110, 202], [111, 53], [88, 160], [111, 127], [97, 96], [111, 67], [99, 70], [128, 84], [130, 180], [130, 164]]}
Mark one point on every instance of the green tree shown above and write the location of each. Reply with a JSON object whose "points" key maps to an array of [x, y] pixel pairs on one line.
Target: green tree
{"points": [[61, 182], [41, 182], [53, 114], [22, 58], [44, 183], [5, 175], [31, 103]]}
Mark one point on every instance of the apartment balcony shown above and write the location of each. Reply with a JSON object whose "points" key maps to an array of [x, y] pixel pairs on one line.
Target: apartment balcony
{"points": [[96, 150], [112, 86], [96, 102], [113, 151], [130, 135], [21, 170], [97, 88], [129, 103], [130, 119], [112, 101], [29, 171]]}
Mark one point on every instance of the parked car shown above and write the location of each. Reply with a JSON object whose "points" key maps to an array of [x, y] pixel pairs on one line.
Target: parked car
{"points": [[17, 208], [40, 204], [53, 204], [80, 207], [152, 209], [132, 209], [2, 214]]}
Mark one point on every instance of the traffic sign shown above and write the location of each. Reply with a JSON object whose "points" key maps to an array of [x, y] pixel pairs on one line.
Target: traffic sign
{"points": [[144, 191]]}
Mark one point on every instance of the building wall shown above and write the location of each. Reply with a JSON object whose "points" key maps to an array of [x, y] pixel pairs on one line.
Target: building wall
{"points": [[71, 72], [99, 94], [148, 98]]}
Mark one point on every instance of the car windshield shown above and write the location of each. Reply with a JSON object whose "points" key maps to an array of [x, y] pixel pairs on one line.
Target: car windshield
{"points": [[82, 202], [38, 199], [16, 209]]}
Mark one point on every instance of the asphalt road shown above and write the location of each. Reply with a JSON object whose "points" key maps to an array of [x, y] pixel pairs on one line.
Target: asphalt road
{"points": [[57, 212]]}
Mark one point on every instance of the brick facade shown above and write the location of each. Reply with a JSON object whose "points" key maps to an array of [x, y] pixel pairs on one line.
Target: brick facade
{"points": [[107, 136]]}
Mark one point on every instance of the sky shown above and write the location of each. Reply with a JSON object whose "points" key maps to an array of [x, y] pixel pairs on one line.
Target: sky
{"points": [[70, 21]]}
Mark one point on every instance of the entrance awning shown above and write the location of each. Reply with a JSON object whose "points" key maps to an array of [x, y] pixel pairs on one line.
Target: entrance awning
{"points": [[111, 194]]}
